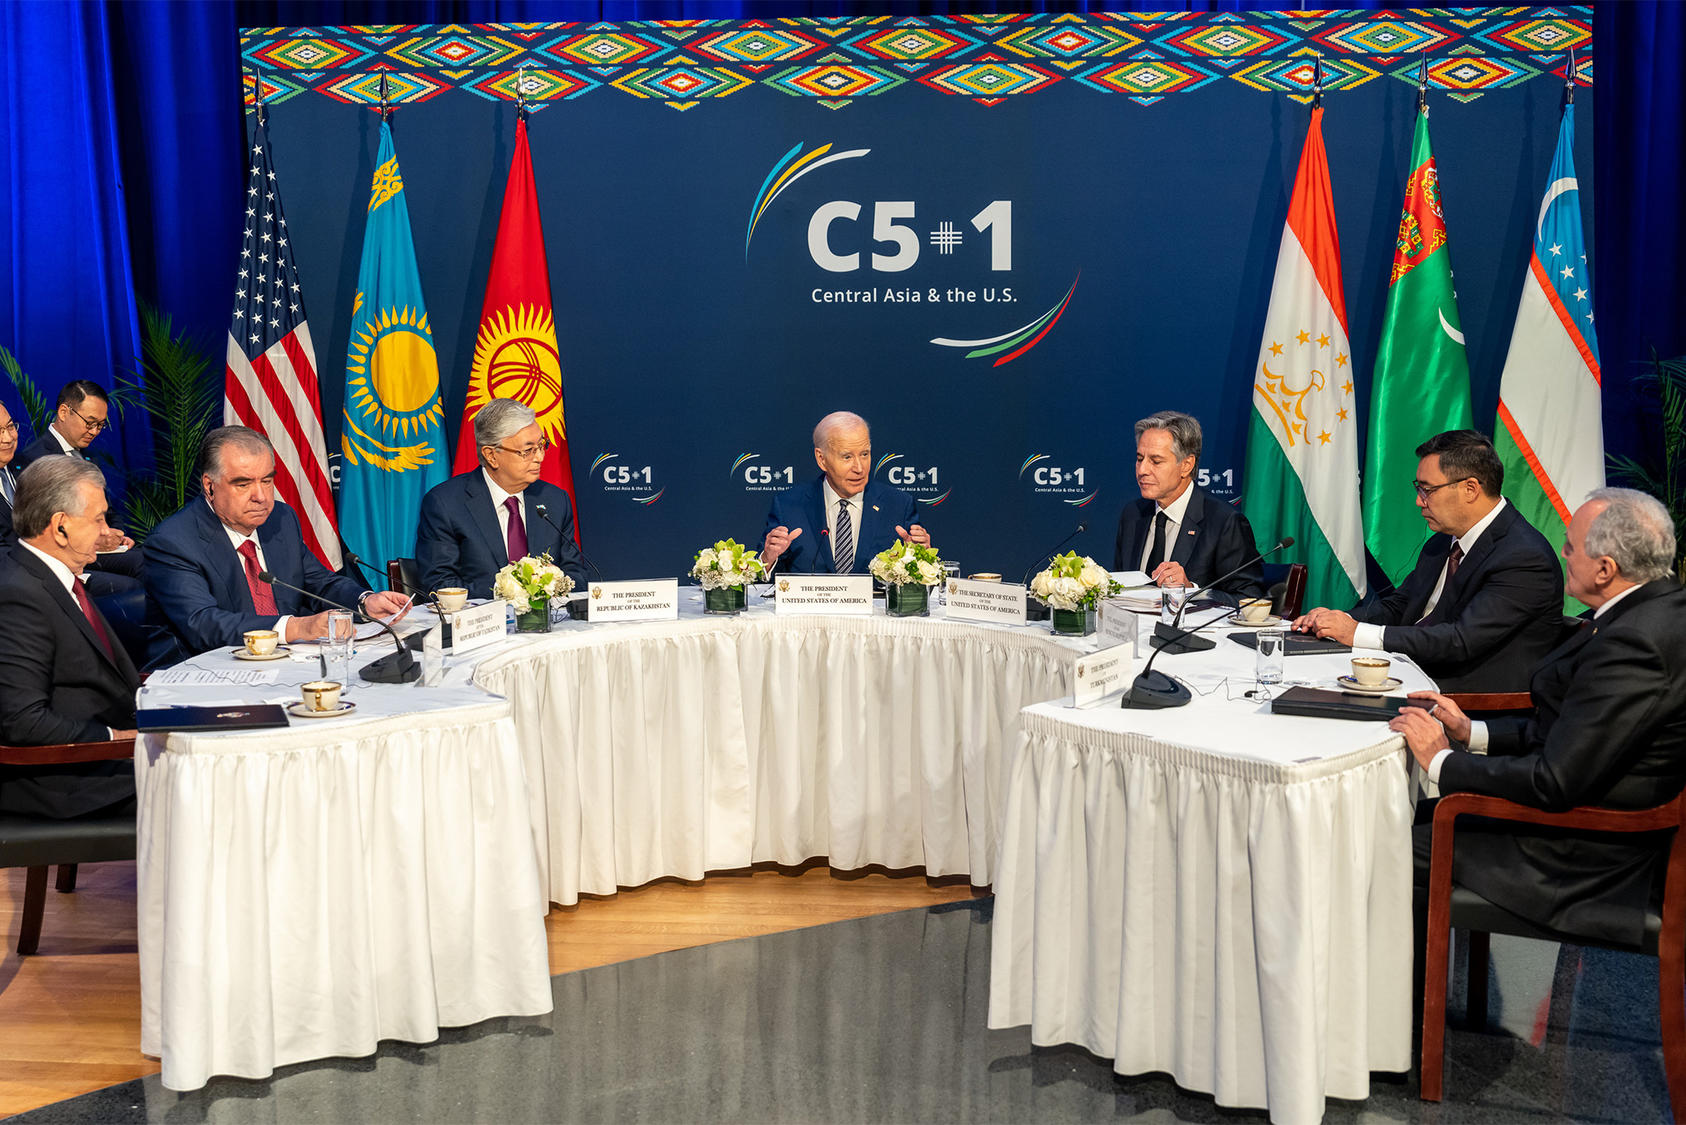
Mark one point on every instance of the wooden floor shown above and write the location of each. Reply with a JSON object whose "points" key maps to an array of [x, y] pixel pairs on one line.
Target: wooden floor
{"points": [[70, 1014]]}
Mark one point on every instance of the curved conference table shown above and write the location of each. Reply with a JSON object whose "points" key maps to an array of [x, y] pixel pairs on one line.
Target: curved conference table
{"points": [[306, 892]]}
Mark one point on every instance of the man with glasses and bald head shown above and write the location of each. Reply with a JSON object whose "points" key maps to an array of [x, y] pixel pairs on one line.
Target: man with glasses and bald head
{"points": [[476, 523], [1484, 603]]}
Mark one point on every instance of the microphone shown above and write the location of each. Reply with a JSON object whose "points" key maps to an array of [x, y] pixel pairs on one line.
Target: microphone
{"points": [[1155, 690], [544, 514], [1168, 635], [1035, 610], [399, 668]]}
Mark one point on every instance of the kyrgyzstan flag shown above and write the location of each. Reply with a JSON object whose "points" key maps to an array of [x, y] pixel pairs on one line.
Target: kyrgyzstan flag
{"points": [[515, 354]]}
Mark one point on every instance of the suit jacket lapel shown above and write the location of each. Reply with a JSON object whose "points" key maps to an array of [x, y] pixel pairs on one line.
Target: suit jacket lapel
{"points": [[1432, 561], [1145, 510], [68, 606], [486, 519], [1472, 563], [221, 555], [1189, 533], [824, 561]]}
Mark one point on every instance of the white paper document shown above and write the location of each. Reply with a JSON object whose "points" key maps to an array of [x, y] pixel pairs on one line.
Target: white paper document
{"points": [[212, 677]]}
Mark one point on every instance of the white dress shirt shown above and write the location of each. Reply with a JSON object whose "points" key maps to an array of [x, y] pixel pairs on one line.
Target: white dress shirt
{"points": [[498, 498], [1174, 513], [854, 503], [52, 428], [1367, 635]]}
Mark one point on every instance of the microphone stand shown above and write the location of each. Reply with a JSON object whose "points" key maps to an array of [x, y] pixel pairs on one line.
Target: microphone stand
{"points": [[1171, 636], [1154, 691], [576, 611], [399, 668], [1034, 610]]}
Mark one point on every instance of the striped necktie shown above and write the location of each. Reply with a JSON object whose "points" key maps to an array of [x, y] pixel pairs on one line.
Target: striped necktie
{"points": [[7, 486], [843, 544]]}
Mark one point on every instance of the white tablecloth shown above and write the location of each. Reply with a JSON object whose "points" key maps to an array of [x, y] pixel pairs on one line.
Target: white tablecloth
{"points": [[705, 744], [307, 892], [1212, 892]]}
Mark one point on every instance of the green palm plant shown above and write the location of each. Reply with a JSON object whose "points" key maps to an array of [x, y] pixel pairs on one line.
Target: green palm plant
{"points": [[1666, 481], [179, 395], [37, 411]]}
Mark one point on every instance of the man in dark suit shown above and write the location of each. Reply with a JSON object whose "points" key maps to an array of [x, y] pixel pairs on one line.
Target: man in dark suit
{"points": [[836, 523], [1485, 602], [80, 417], [8, 476], [1178, 533], [1609, 729], [203, 563], [65, 677], [478, 522]]}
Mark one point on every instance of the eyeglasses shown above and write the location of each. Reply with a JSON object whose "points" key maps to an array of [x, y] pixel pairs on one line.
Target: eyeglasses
{"points": [[529, 452], [9, 428], [94, 424], [1424, 491]]}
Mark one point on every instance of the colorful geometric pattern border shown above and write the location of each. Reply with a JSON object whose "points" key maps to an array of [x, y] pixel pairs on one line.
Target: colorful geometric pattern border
{"points": [[1145, 56]]}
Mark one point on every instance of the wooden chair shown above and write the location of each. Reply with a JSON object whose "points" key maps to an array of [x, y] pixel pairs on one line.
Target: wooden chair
{"points": [[1450, 906], [403, 575], [40, 842]]}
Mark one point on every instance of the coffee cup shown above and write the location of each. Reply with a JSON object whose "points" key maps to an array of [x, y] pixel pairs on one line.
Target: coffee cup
{"points": [[1255, 610], [261, 642], [1370, 671], [452, 598], [321, 695], [986, 576]]}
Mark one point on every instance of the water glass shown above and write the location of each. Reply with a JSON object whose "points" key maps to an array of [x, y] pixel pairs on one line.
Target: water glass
{"points": [[1171, 599], [1273, 650], [336, 647]]}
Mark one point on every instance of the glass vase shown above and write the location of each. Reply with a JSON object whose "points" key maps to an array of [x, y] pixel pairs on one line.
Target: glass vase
{"points": [[909, 599], [537, 617], [1074, 622], [726, 599]]}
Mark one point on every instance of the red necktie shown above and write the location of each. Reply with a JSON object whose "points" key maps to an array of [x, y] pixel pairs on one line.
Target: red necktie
{"points": [[1455, 557], [517, 530], [93, 617], [263, 598]]}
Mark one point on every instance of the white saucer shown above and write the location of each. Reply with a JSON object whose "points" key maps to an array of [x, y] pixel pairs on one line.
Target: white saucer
{"points": [[303, 712], [1237, 619], [1347, 683], [280, 653]]}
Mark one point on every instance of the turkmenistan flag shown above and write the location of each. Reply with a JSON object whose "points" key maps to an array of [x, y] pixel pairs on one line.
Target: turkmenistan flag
{"points": [[1550, 431], [393, 434], [1421, 385], [1302, 451]]}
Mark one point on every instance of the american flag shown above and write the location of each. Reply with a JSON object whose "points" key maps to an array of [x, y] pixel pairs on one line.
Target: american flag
{"points": [[271, 366]]}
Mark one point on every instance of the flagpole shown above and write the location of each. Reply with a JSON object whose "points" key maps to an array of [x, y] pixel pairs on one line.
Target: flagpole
{"points": [[1569, 76], [1317, 80], [1422, 86]]}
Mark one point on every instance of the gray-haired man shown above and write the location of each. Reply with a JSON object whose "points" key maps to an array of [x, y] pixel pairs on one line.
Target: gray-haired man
{"points": [[476, 523]]}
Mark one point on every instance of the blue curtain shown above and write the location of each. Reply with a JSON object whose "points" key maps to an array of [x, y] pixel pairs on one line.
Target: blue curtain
{"points": [[122, 144]]}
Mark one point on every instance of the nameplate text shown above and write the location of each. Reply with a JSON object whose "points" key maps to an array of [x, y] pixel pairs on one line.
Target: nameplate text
{"points": [[998, 603], [823, 593], [646, 599]]}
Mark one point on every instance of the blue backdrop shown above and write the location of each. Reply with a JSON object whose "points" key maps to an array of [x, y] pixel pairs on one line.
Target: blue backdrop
{"points": [[683, 355]]}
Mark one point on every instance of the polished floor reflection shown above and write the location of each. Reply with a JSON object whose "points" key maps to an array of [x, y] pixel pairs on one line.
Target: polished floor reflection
{"points": [[883, 1019]]}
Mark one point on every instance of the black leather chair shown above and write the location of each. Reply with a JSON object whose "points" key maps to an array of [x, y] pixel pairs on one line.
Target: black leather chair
{"points": [[403, 575], [37, 843]]}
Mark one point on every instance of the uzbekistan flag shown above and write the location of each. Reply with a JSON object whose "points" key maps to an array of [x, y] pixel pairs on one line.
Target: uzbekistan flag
{"points": [[1550, 431], [515, 354], [1302, 450], [269, 373], [393, 437]]}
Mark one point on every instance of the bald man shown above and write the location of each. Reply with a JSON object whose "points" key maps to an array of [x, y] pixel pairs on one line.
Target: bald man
{"points": [[836, 523]]}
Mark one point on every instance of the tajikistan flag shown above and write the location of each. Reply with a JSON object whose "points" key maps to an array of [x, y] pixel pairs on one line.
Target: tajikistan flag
{"points": [[1550, 431], [1302, 452]]}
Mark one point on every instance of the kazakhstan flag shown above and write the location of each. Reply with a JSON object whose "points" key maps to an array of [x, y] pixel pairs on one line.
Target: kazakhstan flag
{"points": [[393, 436]]}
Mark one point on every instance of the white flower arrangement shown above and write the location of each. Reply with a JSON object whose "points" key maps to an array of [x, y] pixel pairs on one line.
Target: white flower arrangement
{"points": [[727, 563], [902, 563], [1073, 583], [526, 579]]}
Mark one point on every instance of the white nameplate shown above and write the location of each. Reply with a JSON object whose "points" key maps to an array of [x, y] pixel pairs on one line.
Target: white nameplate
{"points": [[479, 625], [999, 603], [650, 599], [1101, 674], [823, 593], [1115, 625], [433, 655]]}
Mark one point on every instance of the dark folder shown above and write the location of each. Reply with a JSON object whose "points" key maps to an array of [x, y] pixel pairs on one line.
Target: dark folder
{"points": [[1319, 703], [1299, 644], [191, 719]]}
